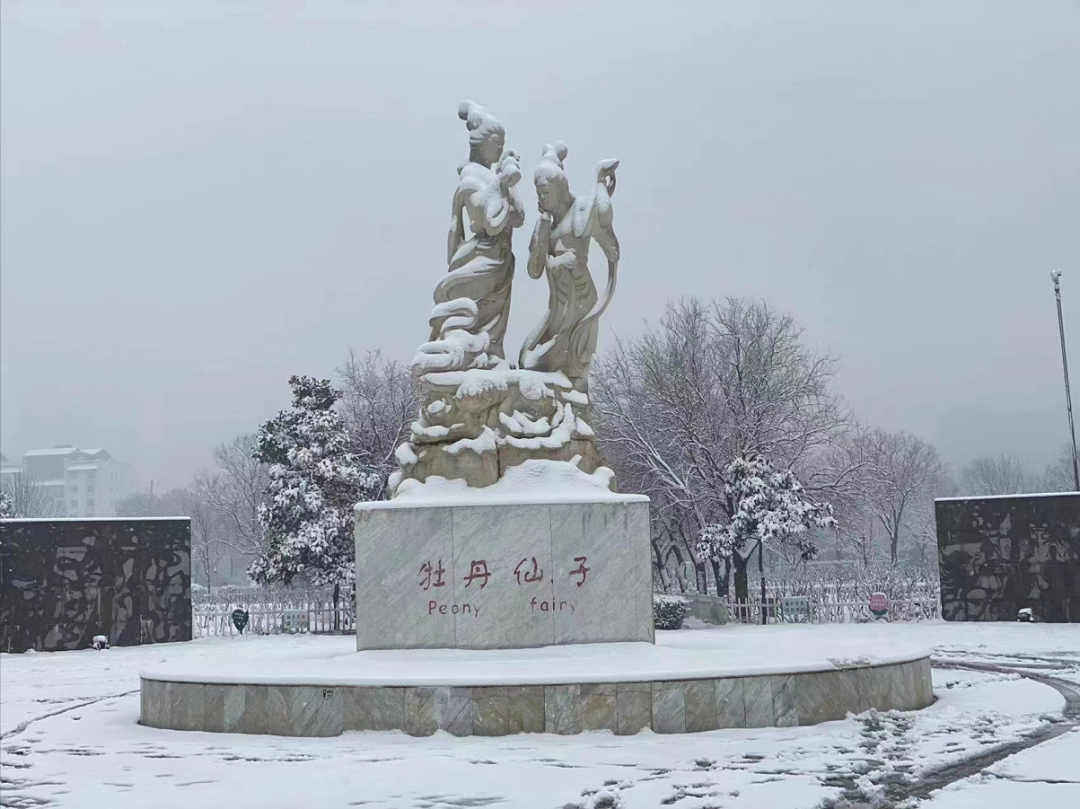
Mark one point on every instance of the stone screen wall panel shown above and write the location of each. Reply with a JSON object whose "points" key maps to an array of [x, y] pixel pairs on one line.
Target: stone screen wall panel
{"points": [[64, 581], [998, 555]]}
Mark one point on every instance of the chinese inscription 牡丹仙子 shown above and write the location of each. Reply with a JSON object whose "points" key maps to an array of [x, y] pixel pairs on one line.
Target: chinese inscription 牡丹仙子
{"points": [[478, 570], [581, 570], [427, 573], [528, 571], [537, 573]]}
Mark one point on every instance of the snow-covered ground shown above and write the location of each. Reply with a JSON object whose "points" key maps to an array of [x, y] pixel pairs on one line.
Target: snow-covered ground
{"points": [[71, 739]]}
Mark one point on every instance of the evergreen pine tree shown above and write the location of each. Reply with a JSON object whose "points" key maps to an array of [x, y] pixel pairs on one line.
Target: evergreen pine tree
{"points": [[7, 506], [769, 506], [307, 521]]}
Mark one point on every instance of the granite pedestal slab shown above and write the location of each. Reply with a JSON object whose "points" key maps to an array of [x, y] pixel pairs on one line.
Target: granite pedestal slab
{"points": [[686, 682], [504, 574]]}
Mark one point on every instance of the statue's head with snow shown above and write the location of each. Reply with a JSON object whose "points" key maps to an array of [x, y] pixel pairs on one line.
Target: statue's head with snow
{"points": [[487, 138], [552, 188]]}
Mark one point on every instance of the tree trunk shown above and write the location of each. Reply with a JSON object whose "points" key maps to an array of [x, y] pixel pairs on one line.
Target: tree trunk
{"points": [[761, 572], [702, 577], [680, 571], [742, 584], [337, 595], [868, 542], [894, 542], [659, 566], [716, 576]]}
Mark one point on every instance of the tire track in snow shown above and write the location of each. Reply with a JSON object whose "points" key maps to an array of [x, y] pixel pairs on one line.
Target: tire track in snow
{"points": [[19, 728], [958, 771]]}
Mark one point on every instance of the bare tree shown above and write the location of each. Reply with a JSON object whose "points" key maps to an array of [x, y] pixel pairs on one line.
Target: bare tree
{"points": [[206, 543], [711, 383], [378, 404], [857, 528], [994, 475], [233, 492], [172, 503], [27, 497], [921, 527], [900, 474], [1058, 476]]}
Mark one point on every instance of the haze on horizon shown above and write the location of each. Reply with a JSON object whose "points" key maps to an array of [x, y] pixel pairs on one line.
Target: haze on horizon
{"points": [[199, 199]]}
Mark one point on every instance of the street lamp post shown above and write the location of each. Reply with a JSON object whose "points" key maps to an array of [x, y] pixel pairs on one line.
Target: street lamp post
{"points": [[1055, 276]]}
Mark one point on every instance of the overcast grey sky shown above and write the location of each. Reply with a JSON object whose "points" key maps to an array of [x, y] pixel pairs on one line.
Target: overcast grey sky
{"points": [[199, 199]]}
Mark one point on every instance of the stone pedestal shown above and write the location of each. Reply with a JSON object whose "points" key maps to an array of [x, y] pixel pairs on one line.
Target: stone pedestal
{"points": [[503, 575]]}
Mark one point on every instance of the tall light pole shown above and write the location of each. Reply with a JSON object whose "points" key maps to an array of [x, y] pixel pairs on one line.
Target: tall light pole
{"points": [[1055, 276]]}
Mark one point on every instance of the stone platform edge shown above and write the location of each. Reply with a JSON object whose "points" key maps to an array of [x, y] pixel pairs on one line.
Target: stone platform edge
{"points": [[624, 708]]}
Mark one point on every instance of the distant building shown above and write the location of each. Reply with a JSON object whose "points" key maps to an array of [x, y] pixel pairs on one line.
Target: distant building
{"points": [[80, 482]]}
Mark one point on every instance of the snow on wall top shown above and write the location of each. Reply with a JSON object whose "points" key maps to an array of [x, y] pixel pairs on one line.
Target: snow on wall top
{"points": [[1006, 496], [90, 519]]}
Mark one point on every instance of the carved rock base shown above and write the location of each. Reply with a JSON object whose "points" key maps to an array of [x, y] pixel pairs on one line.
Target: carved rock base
{"points": [[503, 576]]}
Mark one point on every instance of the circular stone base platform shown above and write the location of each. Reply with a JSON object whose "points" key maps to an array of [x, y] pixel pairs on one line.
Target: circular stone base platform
{"points": [[692, 680]]}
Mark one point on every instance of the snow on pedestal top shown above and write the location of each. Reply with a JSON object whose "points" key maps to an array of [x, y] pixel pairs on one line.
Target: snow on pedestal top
{"points": [[532, 482], [733, 651]]}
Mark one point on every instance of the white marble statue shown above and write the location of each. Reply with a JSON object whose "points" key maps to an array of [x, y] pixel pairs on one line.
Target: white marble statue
{"points": [[472, 302], [565, 340], [480, 416]]}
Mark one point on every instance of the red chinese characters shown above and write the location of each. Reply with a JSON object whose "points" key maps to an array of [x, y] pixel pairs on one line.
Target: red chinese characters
{"points": [[536, 574], [431, 576], [478, 570], [581, 570]]}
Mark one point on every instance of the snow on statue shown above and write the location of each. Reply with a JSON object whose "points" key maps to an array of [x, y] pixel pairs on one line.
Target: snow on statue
{"points": [[481, 416], [472, 303], [565, 340]]}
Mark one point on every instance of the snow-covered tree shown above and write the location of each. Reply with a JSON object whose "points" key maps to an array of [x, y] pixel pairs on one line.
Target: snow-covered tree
{"points": [[902, 472], [7, 506], [709, 383], [314, 481], [378, 405], [770, 509], [234, 490], [27, 497]]}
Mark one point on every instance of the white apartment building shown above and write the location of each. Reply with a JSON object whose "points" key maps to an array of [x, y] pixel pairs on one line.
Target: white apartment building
{"points": [[80, 482]]}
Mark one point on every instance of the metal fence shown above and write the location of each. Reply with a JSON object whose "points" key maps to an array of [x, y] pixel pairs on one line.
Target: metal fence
{"points": [[827, 612], [270, 619], [326, 619]]}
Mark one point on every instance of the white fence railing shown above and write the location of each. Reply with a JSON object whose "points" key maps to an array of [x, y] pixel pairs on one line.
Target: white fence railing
{"points": [[213, 621], [324, 618], [826, 612]]}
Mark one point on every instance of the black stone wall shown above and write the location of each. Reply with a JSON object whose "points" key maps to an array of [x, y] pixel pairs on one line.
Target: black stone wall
{"points": [[1001, 554], [64, 581]]}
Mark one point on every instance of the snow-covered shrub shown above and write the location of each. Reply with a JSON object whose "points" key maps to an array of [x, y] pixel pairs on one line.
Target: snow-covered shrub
{"points": [[669, 611], [7, 506]]}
